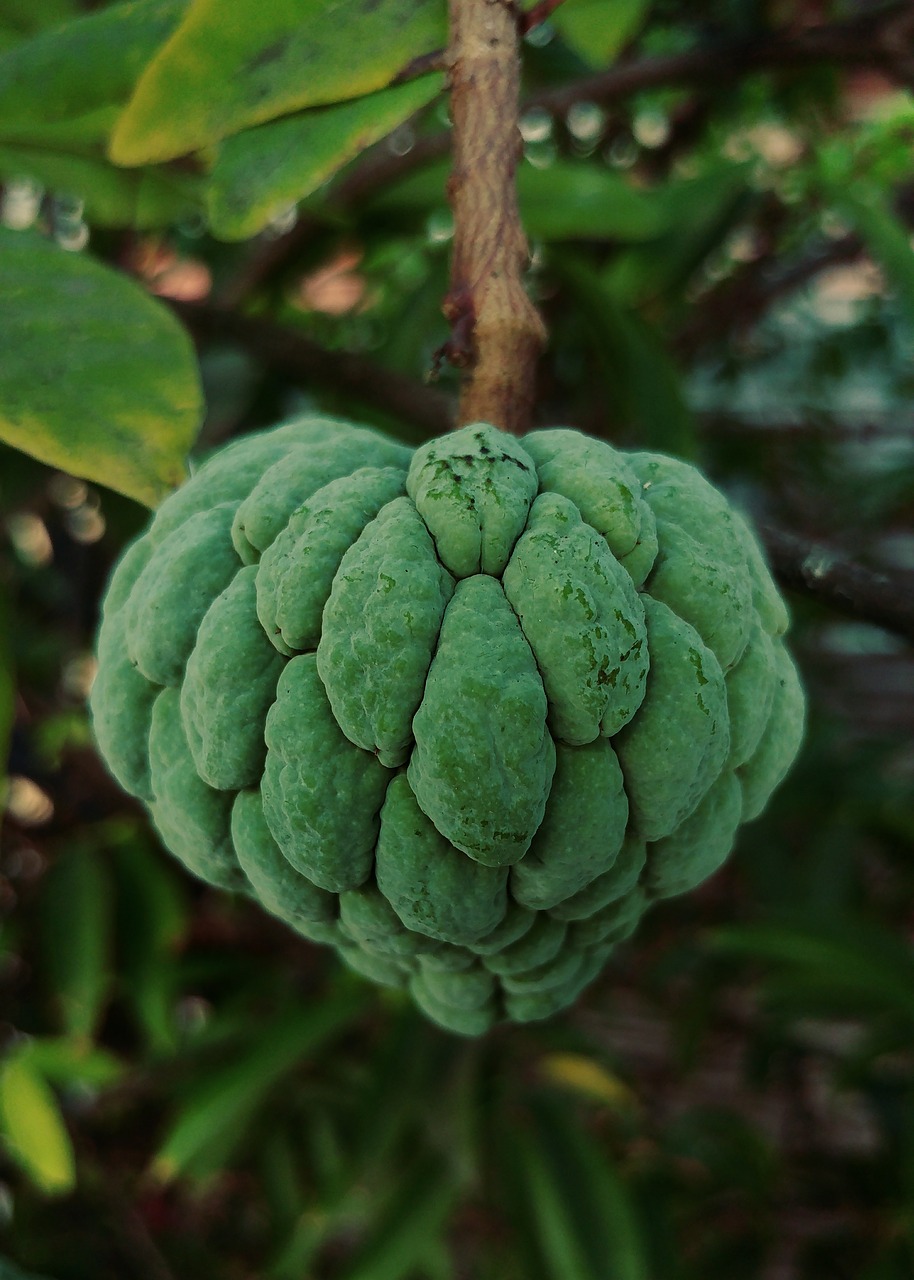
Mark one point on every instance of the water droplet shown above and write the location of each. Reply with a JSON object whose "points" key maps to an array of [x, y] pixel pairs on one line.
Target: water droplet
{"points": [[536, 125], [30, 538], [440, 226], [651, 128], [20, 203], [73, 238], [27, 803], [402, 140], [585, 121], [281, 223]]}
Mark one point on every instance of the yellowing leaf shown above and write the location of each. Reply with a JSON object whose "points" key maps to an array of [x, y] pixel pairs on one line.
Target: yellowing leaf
{"points": [[97, 378], [33, 1130], [236, 63], [582, 1075]]}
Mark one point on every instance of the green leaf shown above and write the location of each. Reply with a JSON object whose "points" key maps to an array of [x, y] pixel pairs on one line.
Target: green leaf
{"points": [[68, 1060], [698, 213], [582, 1211], [568, 200], [61, 94], [411, 1225], [97, 378], [551, 1218], [151, 919], [7, 681], [407, 1067], [214, 1118], [20, 19], [65, 76], [236, 63], [851, 959], [139, 198], [76, 936], [595, 30], [262, 171], [33, 1129], [576, 201], [643, 386]]}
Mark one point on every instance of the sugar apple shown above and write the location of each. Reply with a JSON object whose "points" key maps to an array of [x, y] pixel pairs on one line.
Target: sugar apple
{"points": [[461, 712]]}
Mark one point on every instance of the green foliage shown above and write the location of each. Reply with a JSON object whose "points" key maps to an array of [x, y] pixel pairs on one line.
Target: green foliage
{"points": [[98, 378], [598, 31], [567, 200], [67, 84], [223, 71], [60, 95], [260, 172], [32, 1128], [77, 932], [579, 1208], [7, 680], [213, 1118]]}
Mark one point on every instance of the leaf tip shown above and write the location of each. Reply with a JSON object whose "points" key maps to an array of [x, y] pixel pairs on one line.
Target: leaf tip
{"points": [[163, 1169]]}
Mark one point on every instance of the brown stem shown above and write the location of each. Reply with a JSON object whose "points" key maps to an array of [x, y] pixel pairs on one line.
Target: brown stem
{"points": [[497, 332]]}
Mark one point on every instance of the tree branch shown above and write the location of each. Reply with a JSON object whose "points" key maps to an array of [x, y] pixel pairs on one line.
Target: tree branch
{"points": [[881, 39], [306, 362], [841, 584], [497, 332], [735, 305], [422, 66]]}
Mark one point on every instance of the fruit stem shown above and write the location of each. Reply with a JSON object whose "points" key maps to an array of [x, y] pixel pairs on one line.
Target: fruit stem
{"points": [[497, 333]]}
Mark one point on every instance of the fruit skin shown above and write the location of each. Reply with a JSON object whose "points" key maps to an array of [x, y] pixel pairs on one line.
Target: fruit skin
{"points": [[461, 713]]}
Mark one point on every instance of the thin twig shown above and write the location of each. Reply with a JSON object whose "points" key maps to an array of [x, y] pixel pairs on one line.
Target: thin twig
{"points": [[841, 584], [422, 66], [306, 362], [735, 305], [539, 14], [874, 40], [527, 20], [497, 332]]}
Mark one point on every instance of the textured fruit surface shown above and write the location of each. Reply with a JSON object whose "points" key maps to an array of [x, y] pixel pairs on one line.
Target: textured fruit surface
{"points": [[462, 713]]}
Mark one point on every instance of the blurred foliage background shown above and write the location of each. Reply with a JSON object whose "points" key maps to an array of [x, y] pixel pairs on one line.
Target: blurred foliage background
{"points": [[720, 203]]}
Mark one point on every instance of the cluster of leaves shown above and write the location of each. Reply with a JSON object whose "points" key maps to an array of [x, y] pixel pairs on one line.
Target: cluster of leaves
{"points": [[726, 269]]}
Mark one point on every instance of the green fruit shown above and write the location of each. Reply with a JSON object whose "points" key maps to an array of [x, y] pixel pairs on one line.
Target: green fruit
{"points": [[461, 713]]}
